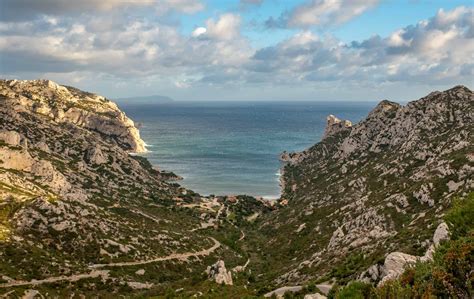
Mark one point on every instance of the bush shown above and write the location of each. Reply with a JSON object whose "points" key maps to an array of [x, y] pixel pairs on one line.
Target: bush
{"points": [[460, 217], [356, 290], [450, 274]]}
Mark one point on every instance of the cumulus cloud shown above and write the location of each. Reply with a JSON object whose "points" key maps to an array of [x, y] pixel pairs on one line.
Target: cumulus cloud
{"points": [[225, 28], [26, 9], [321, 12], [432, 51], [199, 31]]}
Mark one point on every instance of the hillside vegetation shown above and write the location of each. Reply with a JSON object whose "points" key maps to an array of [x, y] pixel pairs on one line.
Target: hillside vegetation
{"points": [[379, 209]]}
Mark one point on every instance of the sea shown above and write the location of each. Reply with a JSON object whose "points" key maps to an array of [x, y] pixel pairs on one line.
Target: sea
{"points": [[230, 148]]}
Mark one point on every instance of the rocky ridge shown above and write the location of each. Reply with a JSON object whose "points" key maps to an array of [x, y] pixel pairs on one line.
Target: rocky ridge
{"points": [[63, 104], [73, 198], [372, 188], [79, 214]]}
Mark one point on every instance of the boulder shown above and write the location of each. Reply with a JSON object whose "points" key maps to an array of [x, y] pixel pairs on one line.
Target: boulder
{"points": [[395, 264], [219, 273], [96, 156], [441, 233], [15, 159], [10, 137]]}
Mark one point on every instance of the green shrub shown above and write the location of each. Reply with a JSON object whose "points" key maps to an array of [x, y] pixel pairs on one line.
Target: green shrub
{"points": [[356, 290], [460, 217]]}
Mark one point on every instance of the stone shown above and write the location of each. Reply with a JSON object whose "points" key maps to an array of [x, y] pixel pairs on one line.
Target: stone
{"points": [[10, 137], [395, 264], [96, 156], [335, 125], [15, 159], [219, 273], [441, 234]]}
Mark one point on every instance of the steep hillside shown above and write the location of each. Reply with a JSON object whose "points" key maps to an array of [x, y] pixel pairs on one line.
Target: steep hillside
{"points": [[80, 213], [76, 206], [368, 189]]}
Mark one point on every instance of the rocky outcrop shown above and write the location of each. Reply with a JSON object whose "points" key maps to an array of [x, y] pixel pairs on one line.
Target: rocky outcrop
{"points": [[396, 262], [364, 188], [96, 156], [71, 194], [218, 273], [11, 138], [335, 125], [70, 105]]}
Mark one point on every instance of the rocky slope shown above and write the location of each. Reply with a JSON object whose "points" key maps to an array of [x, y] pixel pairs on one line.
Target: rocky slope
{"points": [[372, 188], [64, 104], [80, 215], [76, 206]]}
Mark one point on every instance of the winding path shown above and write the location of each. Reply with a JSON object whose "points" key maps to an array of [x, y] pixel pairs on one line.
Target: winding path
{"points": [[174, 256], [104, 273], [242, 235], [76, 277]]}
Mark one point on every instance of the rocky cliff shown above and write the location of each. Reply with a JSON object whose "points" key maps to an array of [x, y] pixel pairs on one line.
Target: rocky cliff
{"points": [[80, 215], [78, 212], [63, 104], [372, 188]]}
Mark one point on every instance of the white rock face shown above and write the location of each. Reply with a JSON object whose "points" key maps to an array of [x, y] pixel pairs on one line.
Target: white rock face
{"points": [[441, 234], [335, 125], [219, 273], [396, 262], [10, 137], [56, 180], [73, 106], [96, 156], [14, 159], [43, 146]]}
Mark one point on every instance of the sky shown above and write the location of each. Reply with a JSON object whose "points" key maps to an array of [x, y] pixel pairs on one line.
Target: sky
{"points": [[220, 50]]}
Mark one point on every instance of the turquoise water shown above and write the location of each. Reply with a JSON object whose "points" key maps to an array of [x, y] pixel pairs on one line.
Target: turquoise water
{"points": [[233, 147]]}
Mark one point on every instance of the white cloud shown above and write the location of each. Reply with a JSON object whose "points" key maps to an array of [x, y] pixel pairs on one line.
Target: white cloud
{"points": [[199, 31], [184, 6], [225, 28], [12, 10], [321, 12], [396, 39], [431, 51]]}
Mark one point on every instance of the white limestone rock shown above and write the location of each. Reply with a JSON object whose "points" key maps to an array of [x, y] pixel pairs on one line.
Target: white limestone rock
{"points": [[10, 137], [96, 156], [441, 233], [335, 125], [15, 159], [219, 273], [71, 105], [395, 264], [314, 296]]}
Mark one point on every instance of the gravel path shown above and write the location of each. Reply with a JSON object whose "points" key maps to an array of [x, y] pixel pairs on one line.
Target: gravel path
{"points": [[174, 256], [92, 274], [104, 273]]}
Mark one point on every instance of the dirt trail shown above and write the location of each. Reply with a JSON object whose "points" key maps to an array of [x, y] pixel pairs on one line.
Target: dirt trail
{"points": [[174, 256], [242, 235], [104, 273], [76, 277]]}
